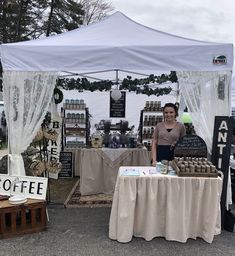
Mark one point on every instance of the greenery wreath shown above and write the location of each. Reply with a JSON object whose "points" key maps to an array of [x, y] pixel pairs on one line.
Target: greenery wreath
{"points": [[58, 95]]}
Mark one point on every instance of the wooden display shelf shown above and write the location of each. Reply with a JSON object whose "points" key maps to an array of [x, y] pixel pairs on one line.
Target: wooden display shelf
{"points": [[159, 111], [26, 218], [75, 132], [197, 174]]}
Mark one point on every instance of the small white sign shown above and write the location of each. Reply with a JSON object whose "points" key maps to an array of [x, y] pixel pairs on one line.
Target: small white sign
{"points": [[30, 187]]}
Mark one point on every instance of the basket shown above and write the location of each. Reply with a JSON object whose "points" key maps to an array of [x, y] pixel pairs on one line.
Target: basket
{"points": [[51, 134], [39, 136], [53, 166], [37, 167]]}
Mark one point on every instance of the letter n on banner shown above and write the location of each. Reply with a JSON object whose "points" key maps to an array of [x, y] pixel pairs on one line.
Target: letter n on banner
{"points": [[221, 147]]}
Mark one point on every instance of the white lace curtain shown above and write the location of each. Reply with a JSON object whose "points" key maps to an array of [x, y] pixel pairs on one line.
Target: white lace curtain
{"points": [[206, 95], [26, 96]]}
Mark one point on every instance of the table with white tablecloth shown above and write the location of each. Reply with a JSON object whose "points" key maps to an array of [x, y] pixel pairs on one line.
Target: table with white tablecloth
{"points": [[98, 168], [158, 205]]}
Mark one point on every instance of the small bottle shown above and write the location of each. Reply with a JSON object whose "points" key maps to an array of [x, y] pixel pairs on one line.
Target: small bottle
{"points": [[145, 120], [147, 106]]}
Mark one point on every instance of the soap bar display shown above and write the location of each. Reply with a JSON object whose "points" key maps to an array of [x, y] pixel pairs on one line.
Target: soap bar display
{"points": [[193, 166]]}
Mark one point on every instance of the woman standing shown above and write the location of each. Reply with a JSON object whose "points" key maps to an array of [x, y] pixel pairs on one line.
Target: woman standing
{"points": [[166, 134]]}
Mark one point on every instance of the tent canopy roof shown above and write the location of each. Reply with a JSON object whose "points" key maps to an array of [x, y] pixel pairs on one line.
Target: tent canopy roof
{"points": [[116, 42]]}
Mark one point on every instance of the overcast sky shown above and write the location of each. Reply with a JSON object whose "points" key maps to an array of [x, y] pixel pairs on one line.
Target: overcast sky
{"points": [[211, 20]]}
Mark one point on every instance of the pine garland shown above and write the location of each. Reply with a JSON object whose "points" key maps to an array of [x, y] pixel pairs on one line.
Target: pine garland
{"points": [[132, 85]]}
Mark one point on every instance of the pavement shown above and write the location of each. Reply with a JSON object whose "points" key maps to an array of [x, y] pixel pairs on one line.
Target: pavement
{"points": [[84, 232]]}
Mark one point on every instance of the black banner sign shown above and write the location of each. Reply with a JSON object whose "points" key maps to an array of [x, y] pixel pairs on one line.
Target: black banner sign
{"points": [[221, 147], [191, 145], [118, 108], [66, 159]]}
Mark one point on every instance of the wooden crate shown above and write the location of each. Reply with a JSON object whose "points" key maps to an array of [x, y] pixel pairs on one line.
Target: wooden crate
{"points": [[26, 218]]}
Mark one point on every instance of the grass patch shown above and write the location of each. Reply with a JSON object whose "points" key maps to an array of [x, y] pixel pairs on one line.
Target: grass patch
{"points": [[3, 145]]}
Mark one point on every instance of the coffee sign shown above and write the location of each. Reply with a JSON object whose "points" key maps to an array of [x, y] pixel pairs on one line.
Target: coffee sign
{"points": [[29, 187]]}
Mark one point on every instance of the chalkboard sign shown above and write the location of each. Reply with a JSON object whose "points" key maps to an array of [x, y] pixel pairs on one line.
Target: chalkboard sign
{"points": [[118, 107], [66, 159], [191, 145]]}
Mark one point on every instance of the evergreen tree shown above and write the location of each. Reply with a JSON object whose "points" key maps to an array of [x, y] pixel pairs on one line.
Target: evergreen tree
{"points": [[64, 15], [30, 19], [20, 19]]}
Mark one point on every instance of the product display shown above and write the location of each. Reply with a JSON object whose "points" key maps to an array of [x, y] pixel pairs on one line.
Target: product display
{"points": [[74, 104], [193, 166], [96, 141], [153, 106], [149, 117], [117, 135], [76, 128]]}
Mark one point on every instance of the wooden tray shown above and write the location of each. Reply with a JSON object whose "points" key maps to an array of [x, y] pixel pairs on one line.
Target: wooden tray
{"points": [[197, 174], [192, 174]]}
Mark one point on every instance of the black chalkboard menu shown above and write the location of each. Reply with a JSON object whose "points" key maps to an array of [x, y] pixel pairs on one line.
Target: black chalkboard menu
{"points": [[66, 159], [118, 108], [191, 146]]}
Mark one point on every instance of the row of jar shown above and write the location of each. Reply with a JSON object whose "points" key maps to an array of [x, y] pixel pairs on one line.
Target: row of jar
{"points": [[152, 120], [75, 118], [148, 133], [74, 104], [153, 106]]}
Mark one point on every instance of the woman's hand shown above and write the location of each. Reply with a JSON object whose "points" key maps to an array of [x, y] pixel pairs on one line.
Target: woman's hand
{"points": [[154, 162]]}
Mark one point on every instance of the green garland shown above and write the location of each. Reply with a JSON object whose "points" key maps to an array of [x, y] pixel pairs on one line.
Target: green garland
{"points": [[135, 85]]}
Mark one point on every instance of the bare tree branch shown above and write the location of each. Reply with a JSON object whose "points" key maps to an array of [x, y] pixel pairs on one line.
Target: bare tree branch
{"points": [[95, 10]]}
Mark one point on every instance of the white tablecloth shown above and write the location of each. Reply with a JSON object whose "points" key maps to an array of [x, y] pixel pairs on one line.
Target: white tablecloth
{"points": [[99, 168], [176, 208]]}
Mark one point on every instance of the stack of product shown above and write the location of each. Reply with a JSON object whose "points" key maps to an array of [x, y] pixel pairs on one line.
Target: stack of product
{"points": [[193, 166], [153, 106], [74, 104], [152, 120]]}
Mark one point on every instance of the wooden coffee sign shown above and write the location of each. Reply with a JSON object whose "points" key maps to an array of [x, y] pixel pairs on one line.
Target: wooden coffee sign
{"points": [[30, 187], [191, 146]]}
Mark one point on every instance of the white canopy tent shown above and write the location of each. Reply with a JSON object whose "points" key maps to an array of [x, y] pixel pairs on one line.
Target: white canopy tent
{"points": [[116, 43]]}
